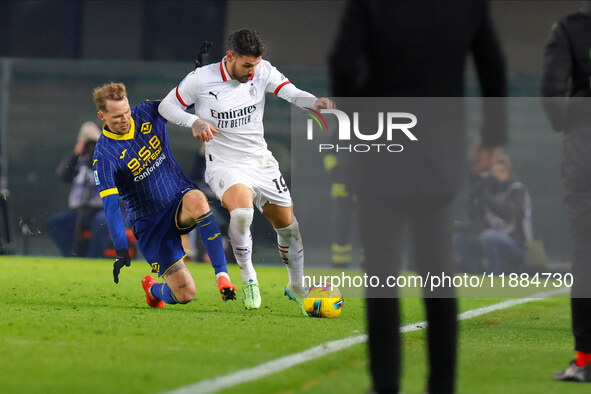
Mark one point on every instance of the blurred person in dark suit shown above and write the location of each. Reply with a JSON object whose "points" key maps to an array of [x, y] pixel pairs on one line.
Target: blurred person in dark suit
{"points": [[416, 49], [565, 86]]}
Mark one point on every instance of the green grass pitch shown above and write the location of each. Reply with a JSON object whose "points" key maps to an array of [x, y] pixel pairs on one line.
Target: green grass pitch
{"points": [[65, 327]]}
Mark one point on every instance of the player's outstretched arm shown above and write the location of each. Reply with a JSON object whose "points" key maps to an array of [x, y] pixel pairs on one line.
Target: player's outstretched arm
{"points": [[302, 98], [118, 234], [172, 110]]}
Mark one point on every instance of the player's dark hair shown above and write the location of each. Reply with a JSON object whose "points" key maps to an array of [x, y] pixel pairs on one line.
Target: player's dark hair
{"points": [[246, 42]]}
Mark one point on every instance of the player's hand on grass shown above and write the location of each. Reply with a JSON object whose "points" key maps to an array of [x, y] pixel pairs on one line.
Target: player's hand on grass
{"points": [[121, 260], [324, 103], [203, 131]]}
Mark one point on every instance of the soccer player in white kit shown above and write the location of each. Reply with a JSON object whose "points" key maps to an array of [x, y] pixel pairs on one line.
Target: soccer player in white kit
{"points": [[229, 99]]}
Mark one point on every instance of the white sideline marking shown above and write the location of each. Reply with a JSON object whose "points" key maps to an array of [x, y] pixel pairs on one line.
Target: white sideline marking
{"points": [[280, 364]]}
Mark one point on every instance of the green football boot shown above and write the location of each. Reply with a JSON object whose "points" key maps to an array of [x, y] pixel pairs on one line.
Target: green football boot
{"points": [[295, 297], [251, 294]]}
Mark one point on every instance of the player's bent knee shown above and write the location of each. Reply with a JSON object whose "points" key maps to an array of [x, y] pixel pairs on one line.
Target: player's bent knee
{"points": [[185, 300], [185, 295], [196, 203], [242, 218]]}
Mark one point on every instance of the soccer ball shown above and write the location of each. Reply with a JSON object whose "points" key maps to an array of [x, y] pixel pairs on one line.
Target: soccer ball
{"points": [[324, 301]]}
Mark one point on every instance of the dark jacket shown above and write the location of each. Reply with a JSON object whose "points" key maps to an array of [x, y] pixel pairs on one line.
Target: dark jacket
{"points": [[566, 73], [77, 170], [565, 91], [501, 206], [419, 49]]}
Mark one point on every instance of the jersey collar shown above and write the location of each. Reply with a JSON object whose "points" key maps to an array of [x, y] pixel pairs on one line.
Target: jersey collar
{"points": [[115, 136], [225, 74], [224, 71]]}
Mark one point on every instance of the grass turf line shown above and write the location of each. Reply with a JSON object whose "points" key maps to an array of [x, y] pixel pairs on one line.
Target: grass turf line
{"points": [[65, 322], [65, 327], [516, 350]]}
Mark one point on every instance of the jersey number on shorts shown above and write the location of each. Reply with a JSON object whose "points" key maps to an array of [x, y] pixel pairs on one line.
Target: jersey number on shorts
{"points": [[280, 185]]}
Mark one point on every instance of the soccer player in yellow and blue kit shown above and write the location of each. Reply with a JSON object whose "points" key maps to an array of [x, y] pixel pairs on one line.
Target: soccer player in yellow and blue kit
{"points": [[133, 160]]}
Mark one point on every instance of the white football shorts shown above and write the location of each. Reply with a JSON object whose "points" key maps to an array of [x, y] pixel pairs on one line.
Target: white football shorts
{"points": [[260, 173]]}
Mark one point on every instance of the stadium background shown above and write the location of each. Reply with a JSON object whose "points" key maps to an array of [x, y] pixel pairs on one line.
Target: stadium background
{"points": [[54, 52]]}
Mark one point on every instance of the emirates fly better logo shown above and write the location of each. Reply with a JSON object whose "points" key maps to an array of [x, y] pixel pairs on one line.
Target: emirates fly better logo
{"points": [[394, 122]]}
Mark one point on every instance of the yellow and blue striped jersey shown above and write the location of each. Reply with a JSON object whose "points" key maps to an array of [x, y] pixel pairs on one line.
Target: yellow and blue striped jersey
{"points": [[139, 166]]}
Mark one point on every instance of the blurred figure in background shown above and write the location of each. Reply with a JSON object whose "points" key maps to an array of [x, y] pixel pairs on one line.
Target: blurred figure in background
{"points": [[565, 85], [68, 229], [500, 222], [342, 212], [416, 49]]}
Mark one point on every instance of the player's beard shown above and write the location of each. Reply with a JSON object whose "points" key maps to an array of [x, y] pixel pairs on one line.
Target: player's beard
{"points": [[238, 77], [243, 79]]}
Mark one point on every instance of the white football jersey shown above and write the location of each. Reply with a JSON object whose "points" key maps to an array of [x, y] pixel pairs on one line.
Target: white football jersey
{"points": [[235, 109]]}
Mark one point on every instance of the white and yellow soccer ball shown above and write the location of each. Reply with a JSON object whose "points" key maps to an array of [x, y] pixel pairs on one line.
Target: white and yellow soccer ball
{"points": [[323, 301]]}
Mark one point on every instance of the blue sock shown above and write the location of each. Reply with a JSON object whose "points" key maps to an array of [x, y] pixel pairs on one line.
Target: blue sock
{"points": [[163, 292], [211, 236]]}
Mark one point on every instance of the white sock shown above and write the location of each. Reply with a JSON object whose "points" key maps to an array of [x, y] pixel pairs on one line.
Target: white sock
{"points": [[239, 232], [291, 250]]}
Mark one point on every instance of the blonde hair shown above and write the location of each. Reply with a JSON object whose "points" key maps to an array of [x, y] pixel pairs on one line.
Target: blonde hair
{"points": [[109, 91]]}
